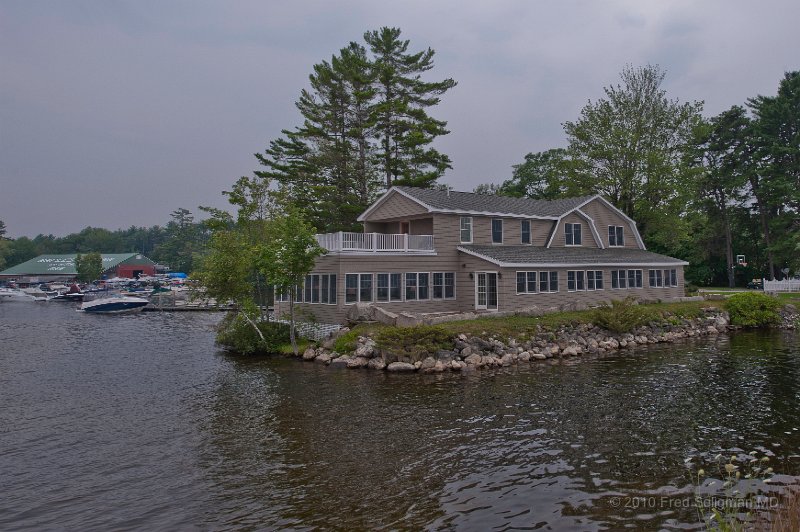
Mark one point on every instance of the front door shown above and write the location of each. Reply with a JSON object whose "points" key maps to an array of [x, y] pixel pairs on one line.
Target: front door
{"points": [[486, 291]]}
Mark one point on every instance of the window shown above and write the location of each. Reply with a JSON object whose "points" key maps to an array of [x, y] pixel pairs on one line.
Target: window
{"points": [[673, 277], [572, 234], [365, 287], [351, 288], [594, 280], [616, 235], [388, 287], [395, 286], [656, 278], [576, 280], [298, 294], [315, 288], [632, 278], [543, 284], [554, 281], [332, 289], [281, 294], [449, 285], [525, 230], [411, 286], [357, 287], [325, 290], [423, 288], [526, 282], [497, 231], [308, 289], [466, 229], [444, 285], [382, 287]]}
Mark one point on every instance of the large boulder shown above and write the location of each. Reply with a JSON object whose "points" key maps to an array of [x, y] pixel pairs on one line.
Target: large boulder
{"points": [[376, 363], [324, 358], [400, 366], [360, 312], [309, 354], [341, 362], [382, 315], [357, 362], [405, 319]]}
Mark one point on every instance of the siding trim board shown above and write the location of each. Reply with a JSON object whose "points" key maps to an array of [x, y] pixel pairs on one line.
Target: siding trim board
{"points": [[503, 264], [630, 221], [592, 227], [430, 209]]}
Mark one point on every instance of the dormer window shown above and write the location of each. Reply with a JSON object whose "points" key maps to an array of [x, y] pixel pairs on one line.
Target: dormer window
{"points": [[466, 230], [572, 234], [616, 235], [525, 231], [497, 231]]}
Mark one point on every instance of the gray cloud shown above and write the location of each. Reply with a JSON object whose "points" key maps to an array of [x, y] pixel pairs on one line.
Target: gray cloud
{"points": [[116, 113]]}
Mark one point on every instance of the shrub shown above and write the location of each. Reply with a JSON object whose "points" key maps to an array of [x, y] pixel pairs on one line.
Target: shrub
{"points": [[622, 315], [753, 309], [237, 335], [346, 342], [414, 343]]}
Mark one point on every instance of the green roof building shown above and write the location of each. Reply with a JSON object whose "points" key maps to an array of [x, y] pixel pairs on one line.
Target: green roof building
{"points": [[45, 268]]}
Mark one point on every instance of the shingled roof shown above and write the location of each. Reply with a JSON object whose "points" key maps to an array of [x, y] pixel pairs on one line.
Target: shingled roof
{"points": [[570, 256], [469, 202]]}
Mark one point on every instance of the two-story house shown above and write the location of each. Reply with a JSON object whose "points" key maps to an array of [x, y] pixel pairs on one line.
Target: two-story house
{"points": [[430, 251]]}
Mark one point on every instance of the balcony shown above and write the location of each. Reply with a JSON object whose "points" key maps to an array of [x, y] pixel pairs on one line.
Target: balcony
{"points": [[376, 242]]}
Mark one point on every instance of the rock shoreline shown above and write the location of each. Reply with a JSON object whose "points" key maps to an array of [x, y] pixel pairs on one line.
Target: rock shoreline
{"points": [[470, 353]]}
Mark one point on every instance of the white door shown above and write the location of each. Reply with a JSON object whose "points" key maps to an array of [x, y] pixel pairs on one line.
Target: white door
{"points": [[486, 291]]}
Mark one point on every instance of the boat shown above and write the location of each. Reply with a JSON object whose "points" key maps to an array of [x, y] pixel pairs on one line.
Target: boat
{"points": [[74, 294], [114, 304], [18, 296]]}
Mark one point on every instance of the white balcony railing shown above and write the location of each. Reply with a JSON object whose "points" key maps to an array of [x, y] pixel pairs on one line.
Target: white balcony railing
{"points": [[375, 242]]}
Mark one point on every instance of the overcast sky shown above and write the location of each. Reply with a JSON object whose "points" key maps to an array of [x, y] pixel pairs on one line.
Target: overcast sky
{"points": [[115, 113]]}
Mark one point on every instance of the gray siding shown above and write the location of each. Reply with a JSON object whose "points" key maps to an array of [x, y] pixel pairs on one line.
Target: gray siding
{"points": [[603, 217], [587, 237], [396, 206]]}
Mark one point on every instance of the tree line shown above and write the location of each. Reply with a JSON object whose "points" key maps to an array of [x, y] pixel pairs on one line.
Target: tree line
{"points": [[179, 244], [707, 190]]}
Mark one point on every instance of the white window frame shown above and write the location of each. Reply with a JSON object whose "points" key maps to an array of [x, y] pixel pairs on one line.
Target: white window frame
{"points": [[433, 286], [618, 233], [571, 234], [502, 236], [359, 275], [578, 275], [527, 274], [389, 287], [522, 224], [468, 220], [596, 276]]}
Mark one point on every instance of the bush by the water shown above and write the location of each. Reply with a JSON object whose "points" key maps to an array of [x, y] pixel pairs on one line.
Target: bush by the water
{"points": [[621, 316], [414, 343], [753, 309], [237, 335]]}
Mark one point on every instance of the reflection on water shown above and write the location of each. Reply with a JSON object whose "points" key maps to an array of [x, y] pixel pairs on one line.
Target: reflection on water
{"points": [[137, 422]]}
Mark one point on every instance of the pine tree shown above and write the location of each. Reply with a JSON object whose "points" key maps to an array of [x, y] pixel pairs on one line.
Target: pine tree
{"points": [[404, 128]]}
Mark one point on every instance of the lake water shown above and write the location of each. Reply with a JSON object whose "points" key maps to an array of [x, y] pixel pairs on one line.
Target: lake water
{"points": [[139, 422]]}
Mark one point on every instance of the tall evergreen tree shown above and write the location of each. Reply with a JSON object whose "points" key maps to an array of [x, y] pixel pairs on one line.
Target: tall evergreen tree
{"points": [[405, 129], [720, 154], [775, 175]]}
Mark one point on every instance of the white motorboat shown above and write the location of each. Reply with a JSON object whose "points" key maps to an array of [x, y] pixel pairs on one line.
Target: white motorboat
{"points": [[17, 296], [114, 304]]}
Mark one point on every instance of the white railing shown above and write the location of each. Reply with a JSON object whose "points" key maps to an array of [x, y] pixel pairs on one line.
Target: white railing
{"points": [[789, 285], [375, 242]]}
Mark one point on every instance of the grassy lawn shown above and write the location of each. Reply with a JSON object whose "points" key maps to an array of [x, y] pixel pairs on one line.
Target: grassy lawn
{"points": [[527, 326]]}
